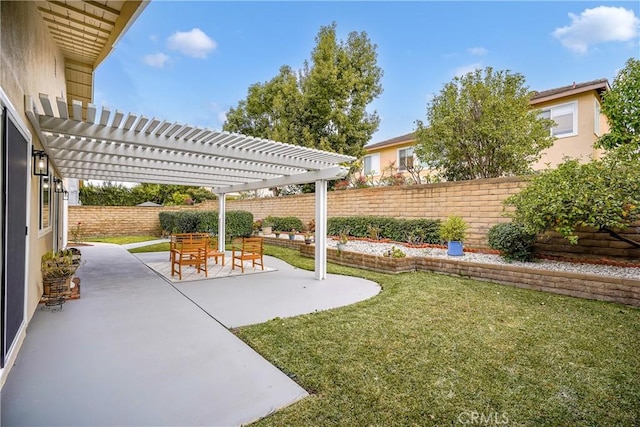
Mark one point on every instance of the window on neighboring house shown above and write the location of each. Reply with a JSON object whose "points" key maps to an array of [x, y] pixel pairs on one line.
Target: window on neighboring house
{"points": [[372, 164], [45, 203], [566, 118], [596, 117], [405, 159]]}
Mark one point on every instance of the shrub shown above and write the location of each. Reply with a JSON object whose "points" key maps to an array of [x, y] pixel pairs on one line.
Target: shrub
{"points": [[399, 230], [453, 229], [512, 240], [167, 221], [207, 222], [186, 222], [238, 223], [394, 253], [285, 223]]}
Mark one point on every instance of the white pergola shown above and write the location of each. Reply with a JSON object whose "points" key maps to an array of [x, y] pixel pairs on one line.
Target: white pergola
{"points": [[117, 147]]}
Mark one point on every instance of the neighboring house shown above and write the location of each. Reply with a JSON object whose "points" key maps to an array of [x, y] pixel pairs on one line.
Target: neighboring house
{"points": [[47, 47], [575, 109], [396, 153]]}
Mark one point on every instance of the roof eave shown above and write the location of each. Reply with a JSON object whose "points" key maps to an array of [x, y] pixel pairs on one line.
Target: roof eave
{"points": [[598, 87]]}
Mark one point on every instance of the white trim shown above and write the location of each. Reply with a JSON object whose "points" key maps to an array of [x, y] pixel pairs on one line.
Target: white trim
{"points": [[375, 164], [574, 106], [413, 154], [596, 117], [42, 232]]}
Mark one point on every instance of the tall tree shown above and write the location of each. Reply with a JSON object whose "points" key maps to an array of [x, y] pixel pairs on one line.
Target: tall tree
{"points": [[621, 105], [481, 126], [270, 110], [323, 106]]}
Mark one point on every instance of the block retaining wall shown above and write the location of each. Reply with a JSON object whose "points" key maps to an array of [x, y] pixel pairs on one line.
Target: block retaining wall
{"points": [[589, 286]]}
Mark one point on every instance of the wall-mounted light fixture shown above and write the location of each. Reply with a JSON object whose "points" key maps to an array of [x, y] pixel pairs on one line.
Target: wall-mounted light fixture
{"points": [[65, 195], [57, 185], [40, 162]]}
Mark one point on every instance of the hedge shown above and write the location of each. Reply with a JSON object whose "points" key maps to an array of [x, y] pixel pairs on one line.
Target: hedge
{"points": [[399, 230], [284, 223], [238, 223]]}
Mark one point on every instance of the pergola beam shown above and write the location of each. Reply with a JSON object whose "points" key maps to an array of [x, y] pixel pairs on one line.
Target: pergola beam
{"points": [[335, 172]]}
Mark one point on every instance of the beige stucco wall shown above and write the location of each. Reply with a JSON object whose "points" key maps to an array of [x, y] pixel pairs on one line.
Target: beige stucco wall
{"points": [[579, 146], [389, 155], [30, 63]]}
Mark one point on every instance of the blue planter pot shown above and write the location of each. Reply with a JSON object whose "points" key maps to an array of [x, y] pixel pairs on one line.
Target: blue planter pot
{"points": [[454, 248]]}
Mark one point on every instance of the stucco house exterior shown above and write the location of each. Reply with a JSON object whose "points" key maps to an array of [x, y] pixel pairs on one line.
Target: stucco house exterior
{"points": [[575, 108], [52, 48]]}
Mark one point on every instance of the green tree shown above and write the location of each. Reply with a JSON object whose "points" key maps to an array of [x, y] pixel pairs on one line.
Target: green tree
{"points": [[481, 126], [270, 110], [107, 194], [110, 194], [341, 80], [621, 105], [323, 106], [604, 194]]}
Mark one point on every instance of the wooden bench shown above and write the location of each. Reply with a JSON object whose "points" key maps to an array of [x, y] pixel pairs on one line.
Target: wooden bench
{"points": [[251, 249], [177, 238], [190, 252]]}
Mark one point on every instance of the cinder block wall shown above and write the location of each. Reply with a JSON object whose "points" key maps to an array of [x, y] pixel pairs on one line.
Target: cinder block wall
{"points": [[100, 221], [479, 202]]}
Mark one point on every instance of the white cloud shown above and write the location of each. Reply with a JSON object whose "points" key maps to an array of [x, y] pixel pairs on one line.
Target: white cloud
{"points": [[600, 24], [156, 60], [153, 37], [465, 69], [194, 43], [222, 117], [479, 51]]}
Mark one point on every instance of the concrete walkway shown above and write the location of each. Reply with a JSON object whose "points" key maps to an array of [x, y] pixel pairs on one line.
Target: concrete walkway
{"points": [[136, 351]]}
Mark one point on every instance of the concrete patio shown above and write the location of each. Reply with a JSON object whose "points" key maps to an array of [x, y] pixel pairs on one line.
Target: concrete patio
{"points": [[138, 350]]}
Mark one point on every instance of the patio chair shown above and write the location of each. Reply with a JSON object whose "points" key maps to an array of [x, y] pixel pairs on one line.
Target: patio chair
{"points": [[251, 249], [190, 252]]}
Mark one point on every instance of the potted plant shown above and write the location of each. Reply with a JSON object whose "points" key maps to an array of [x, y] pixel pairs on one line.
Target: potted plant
{"points": [[454, 230], [57, 268], [292, 234], [267, 226], [343, 239], [277, 233], [257, 225], [308, 237]]}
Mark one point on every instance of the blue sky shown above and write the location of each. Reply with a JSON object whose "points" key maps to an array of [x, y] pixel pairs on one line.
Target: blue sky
{"points": [[191, 61]]}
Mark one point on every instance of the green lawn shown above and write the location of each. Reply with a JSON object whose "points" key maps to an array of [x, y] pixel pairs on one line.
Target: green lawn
{"points": [[123, 240], [434, 350]]}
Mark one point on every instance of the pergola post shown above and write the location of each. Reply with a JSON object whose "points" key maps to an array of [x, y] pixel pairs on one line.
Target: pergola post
{"points": [[222, 215], [321, 230]]}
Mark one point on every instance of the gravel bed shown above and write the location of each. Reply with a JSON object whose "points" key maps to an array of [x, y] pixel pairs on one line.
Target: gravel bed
{"points": [[602, 270]]}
